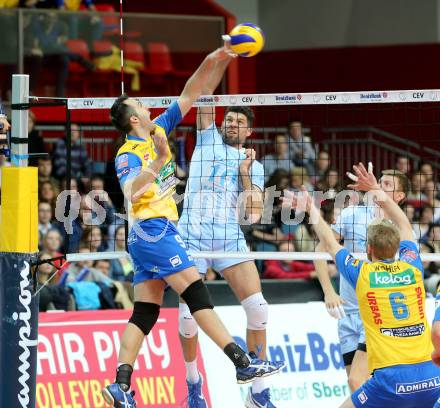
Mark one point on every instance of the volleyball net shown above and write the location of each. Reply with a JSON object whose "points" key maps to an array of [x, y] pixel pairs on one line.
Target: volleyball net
{"points": [[309, 139]]}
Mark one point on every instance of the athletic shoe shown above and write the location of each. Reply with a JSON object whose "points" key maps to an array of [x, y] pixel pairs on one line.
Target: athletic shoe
{"points": [[259, 400], [258, 368], [195, 395], [114, 396]]}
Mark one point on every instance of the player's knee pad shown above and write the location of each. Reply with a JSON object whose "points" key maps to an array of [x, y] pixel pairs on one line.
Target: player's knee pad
{"points": [[257, 311], [145, 316], [197, 297], [187, 325]]}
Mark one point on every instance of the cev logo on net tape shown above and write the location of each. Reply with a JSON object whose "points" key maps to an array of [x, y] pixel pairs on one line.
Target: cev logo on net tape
{"points": [[320, 98]]}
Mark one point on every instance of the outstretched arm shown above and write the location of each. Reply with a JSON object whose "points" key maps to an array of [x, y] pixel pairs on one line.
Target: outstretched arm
{"points": [[365, 181], [206, 114], [333, 301], [196, 83], [325, 234]]}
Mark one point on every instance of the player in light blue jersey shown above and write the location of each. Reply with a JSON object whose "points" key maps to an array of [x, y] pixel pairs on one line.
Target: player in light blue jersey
{"points": [[351, 228], [225, 189]]}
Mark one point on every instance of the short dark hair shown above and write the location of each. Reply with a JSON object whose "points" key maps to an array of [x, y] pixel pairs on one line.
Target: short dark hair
{"points": [[97, 176], [404, 184], [245, 110], [120, 114]]}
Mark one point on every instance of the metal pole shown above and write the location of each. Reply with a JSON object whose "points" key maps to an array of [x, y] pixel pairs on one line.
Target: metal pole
{"points": [[20, 38], [19, 121], [68, 173]]}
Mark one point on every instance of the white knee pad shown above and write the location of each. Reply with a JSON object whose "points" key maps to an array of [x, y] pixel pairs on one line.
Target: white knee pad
{"points": [[257, 311], [187, 325]]}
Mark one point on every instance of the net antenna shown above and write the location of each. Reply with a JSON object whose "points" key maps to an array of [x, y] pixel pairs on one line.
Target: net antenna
{"points": [[121, 41]]}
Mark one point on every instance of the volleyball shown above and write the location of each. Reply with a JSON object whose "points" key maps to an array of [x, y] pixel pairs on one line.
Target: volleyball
{"points": [[247, 39]]}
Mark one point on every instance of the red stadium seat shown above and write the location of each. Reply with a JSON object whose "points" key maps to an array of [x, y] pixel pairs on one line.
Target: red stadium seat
{"points": [[160, 64], [133, 51], [108, 77], [159, 58], [110, 21], [76, 70]]}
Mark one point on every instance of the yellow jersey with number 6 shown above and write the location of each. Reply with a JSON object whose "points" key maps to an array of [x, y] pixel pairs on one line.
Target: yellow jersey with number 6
{"points": [[391, 299]]}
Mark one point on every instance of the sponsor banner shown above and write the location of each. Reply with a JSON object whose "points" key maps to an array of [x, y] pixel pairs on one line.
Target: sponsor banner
{"points": [[18, 331], [320, 98], [305, 337], [77, 356]]}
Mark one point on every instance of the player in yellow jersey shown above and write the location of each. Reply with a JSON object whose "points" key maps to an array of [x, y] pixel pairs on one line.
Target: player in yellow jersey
{"points": [[391, 299], [146, 174]]}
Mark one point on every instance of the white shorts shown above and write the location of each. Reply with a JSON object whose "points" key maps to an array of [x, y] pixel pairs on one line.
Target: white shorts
{"points": [[218, 265], [351, 332]]}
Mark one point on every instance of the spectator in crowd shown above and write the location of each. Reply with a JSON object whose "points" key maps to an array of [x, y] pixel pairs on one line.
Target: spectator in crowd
{"points": [[36, 142], [322, 164], [103, 265], [426, 218], [4, 155], [431, 272], [102, 198], [431, 192], [80, 160], [286, 269], [410, 212], [92, 238], [4, 148], [417, 186], [84, 270], [73, 184], [300, 147], [433, 237], [72, 240], [280, 178], [51, 244], [427, 170], [121, 268], [304, 237], [298, 177], [330, 183], [45, 171], [51, 295], [44, 218], [403, 164], [280, 159], [48, 192]]}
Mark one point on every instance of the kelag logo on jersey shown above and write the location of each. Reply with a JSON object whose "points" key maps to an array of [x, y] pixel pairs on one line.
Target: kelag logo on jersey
{"points": [[391, 280]]}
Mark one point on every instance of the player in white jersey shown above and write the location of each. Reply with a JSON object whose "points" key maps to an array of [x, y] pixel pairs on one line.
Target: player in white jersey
{"points": [[351, 228], [225, 184]]}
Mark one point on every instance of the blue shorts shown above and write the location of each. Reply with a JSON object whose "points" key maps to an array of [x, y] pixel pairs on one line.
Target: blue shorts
{"points": [[351, 332], [402, 386], [157, 250], [218, 265]]}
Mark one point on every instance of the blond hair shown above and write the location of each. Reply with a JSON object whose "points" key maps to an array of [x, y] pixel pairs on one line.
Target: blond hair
{"points": [[384, 239], [301, 172]]}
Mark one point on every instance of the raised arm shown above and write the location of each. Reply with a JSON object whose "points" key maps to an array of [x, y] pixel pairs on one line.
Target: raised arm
{"points": [[197, 82], [325, 234], [206, 114], [365, 181]]}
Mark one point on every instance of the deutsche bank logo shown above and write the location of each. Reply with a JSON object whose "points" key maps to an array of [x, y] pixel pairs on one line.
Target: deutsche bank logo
{"points": [[175, 261], [362, 397]]}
